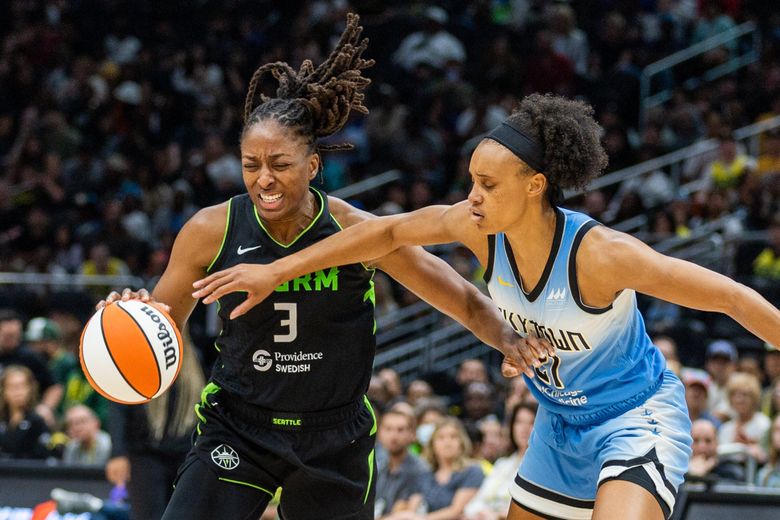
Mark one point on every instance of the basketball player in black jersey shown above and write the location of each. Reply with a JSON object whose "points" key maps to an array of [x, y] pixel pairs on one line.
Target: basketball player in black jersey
{"points": [[285, 406]]}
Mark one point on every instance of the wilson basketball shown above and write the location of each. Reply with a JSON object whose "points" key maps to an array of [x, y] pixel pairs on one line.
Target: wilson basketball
{"points": [[130, 351]]}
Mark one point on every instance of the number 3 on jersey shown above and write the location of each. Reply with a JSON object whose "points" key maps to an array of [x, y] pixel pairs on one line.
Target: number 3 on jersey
{"points": [[548, 373], [291, 322]]}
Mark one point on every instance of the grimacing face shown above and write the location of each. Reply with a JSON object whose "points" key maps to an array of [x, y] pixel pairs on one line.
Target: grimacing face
{"points": [[277, 166], [502, 184]]}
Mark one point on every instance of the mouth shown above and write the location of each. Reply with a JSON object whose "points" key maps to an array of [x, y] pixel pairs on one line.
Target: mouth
{"points": [[270, 201], [476, 216]]}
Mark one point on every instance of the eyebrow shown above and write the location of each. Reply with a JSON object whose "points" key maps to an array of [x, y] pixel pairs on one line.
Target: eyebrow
{"points": [[274, 156]]}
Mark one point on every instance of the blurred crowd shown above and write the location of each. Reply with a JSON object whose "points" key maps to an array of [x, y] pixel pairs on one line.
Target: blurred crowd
{"points": [[120, 119]]}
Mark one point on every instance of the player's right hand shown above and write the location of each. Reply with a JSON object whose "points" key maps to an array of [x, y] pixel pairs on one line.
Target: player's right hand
{"points": [[129, 294]]}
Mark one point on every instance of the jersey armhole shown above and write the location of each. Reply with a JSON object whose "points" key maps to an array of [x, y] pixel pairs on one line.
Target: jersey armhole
{"points": [[224, 236], [573, 282], [491, 254]]}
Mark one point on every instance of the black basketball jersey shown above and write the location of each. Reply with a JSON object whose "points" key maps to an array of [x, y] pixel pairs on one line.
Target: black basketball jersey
{"points": [[310, 345]]}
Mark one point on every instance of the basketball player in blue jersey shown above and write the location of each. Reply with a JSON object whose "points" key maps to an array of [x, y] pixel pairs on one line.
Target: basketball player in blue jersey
{"points": [[612, 437], [285, 406]]}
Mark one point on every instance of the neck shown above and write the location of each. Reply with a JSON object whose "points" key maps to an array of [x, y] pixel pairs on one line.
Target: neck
{"points": [[745, 417], [285, 230], [534, 229], [397, 458], [446, 465]]}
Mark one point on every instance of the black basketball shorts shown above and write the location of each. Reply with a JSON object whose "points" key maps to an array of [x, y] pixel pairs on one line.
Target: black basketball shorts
{"points": [[324, 462]]}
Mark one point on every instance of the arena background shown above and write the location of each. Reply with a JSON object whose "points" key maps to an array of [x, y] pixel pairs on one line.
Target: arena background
{"points": [[120, 119]]}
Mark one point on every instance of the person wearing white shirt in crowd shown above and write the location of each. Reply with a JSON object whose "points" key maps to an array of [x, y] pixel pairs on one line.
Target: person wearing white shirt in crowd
{"points": [[492, 499], [433, 45], [749, 426]]}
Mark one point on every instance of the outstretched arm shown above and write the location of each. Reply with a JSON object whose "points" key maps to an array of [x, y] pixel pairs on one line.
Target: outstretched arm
{"points": [[632, 264], [365, 241]]}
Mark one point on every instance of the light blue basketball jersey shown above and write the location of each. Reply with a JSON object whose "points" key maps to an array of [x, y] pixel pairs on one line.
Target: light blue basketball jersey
{"points": [[605, 362]]}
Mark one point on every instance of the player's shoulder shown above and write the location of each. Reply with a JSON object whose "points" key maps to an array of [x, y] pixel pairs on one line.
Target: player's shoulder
{"points": [[345, 213], [603, 248], [207, 223]]}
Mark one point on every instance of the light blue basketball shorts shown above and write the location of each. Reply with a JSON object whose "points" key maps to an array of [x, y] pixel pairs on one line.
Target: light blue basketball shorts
{"points": [[564, 465]]}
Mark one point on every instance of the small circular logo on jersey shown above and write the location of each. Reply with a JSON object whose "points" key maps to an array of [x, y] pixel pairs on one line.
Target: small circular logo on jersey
{"points": [[261, 360], [225, 457]]}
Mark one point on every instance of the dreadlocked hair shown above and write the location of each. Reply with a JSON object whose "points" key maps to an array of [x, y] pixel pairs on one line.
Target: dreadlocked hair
{"points": [[314, 102], [570, 137]]}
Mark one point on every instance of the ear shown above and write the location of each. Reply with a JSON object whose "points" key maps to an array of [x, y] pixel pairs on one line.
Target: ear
{"points": [[314, 165], [537, 185]]}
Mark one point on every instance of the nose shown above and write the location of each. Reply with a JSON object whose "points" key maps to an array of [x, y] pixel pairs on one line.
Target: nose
{"points": [[265, 178], [475, 197]]}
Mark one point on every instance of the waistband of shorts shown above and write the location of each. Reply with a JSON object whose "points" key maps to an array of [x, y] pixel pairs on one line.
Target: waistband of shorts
{"points": [[612, 411], [294, 421]]}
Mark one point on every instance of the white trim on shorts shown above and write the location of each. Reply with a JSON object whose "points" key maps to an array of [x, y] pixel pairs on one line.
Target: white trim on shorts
{"points": [[542, 501], [663, 489]]}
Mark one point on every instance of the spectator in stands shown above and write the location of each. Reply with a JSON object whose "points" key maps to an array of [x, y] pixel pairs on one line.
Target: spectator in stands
{"points": [[668, 348], [730, 169], [43, 336], [398, 471], [469, 371], [766, 265], [769, 475], [417, 390], [88, 444], [771, 364], [429, 412], [492, 500], [392, 384], [768, 163], [23, 433], [494, 441], [704, 457], [770, 401], [479, 402], [721, 360], [697, 383], [748, 363], [12, 352], [568, 40], [433, 45], [749, 426], [452, 480]]}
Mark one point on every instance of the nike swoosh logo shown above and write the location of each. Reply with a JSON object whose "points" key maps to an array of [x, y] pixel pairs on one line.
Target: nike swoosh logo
{"points": [[242, 250], [504, 283]]}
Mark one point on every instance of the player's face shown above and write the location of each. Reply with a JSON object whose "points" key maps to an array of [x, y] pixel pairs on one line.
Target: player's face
{"points": [[503, 187], [277, 166]]}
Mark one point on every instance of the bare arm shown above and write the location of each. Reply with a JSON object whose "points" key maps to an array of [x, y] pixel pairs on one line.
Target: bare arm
{"points": [[436, 282], [631, 264], [195, 247], [424, 274], [367, 240]]}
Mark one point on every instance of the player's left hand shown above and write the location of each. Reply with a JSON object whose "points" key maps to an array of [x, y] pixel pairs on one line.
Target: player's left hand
{"points": [[522, 355], [256, 279]]}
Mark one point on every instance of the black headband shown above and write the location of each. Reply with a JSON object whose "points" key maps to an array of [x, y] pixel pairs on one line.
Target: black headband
{"points": [[519, 143]]}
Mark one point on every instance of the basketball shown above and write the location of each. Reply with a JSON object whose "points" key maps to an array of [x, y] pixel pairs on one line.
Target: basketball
{"points": [[130, 351]]}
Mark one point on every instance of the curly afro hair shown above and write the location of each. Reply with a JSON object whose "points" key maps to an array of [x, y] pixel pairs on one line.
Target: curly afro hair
{"points": [[569, 136]]}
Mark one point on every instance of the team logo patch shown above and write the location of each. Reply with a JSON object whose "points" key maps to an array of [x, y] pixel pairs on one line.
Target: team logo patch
{"points": [[225, 457]]}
